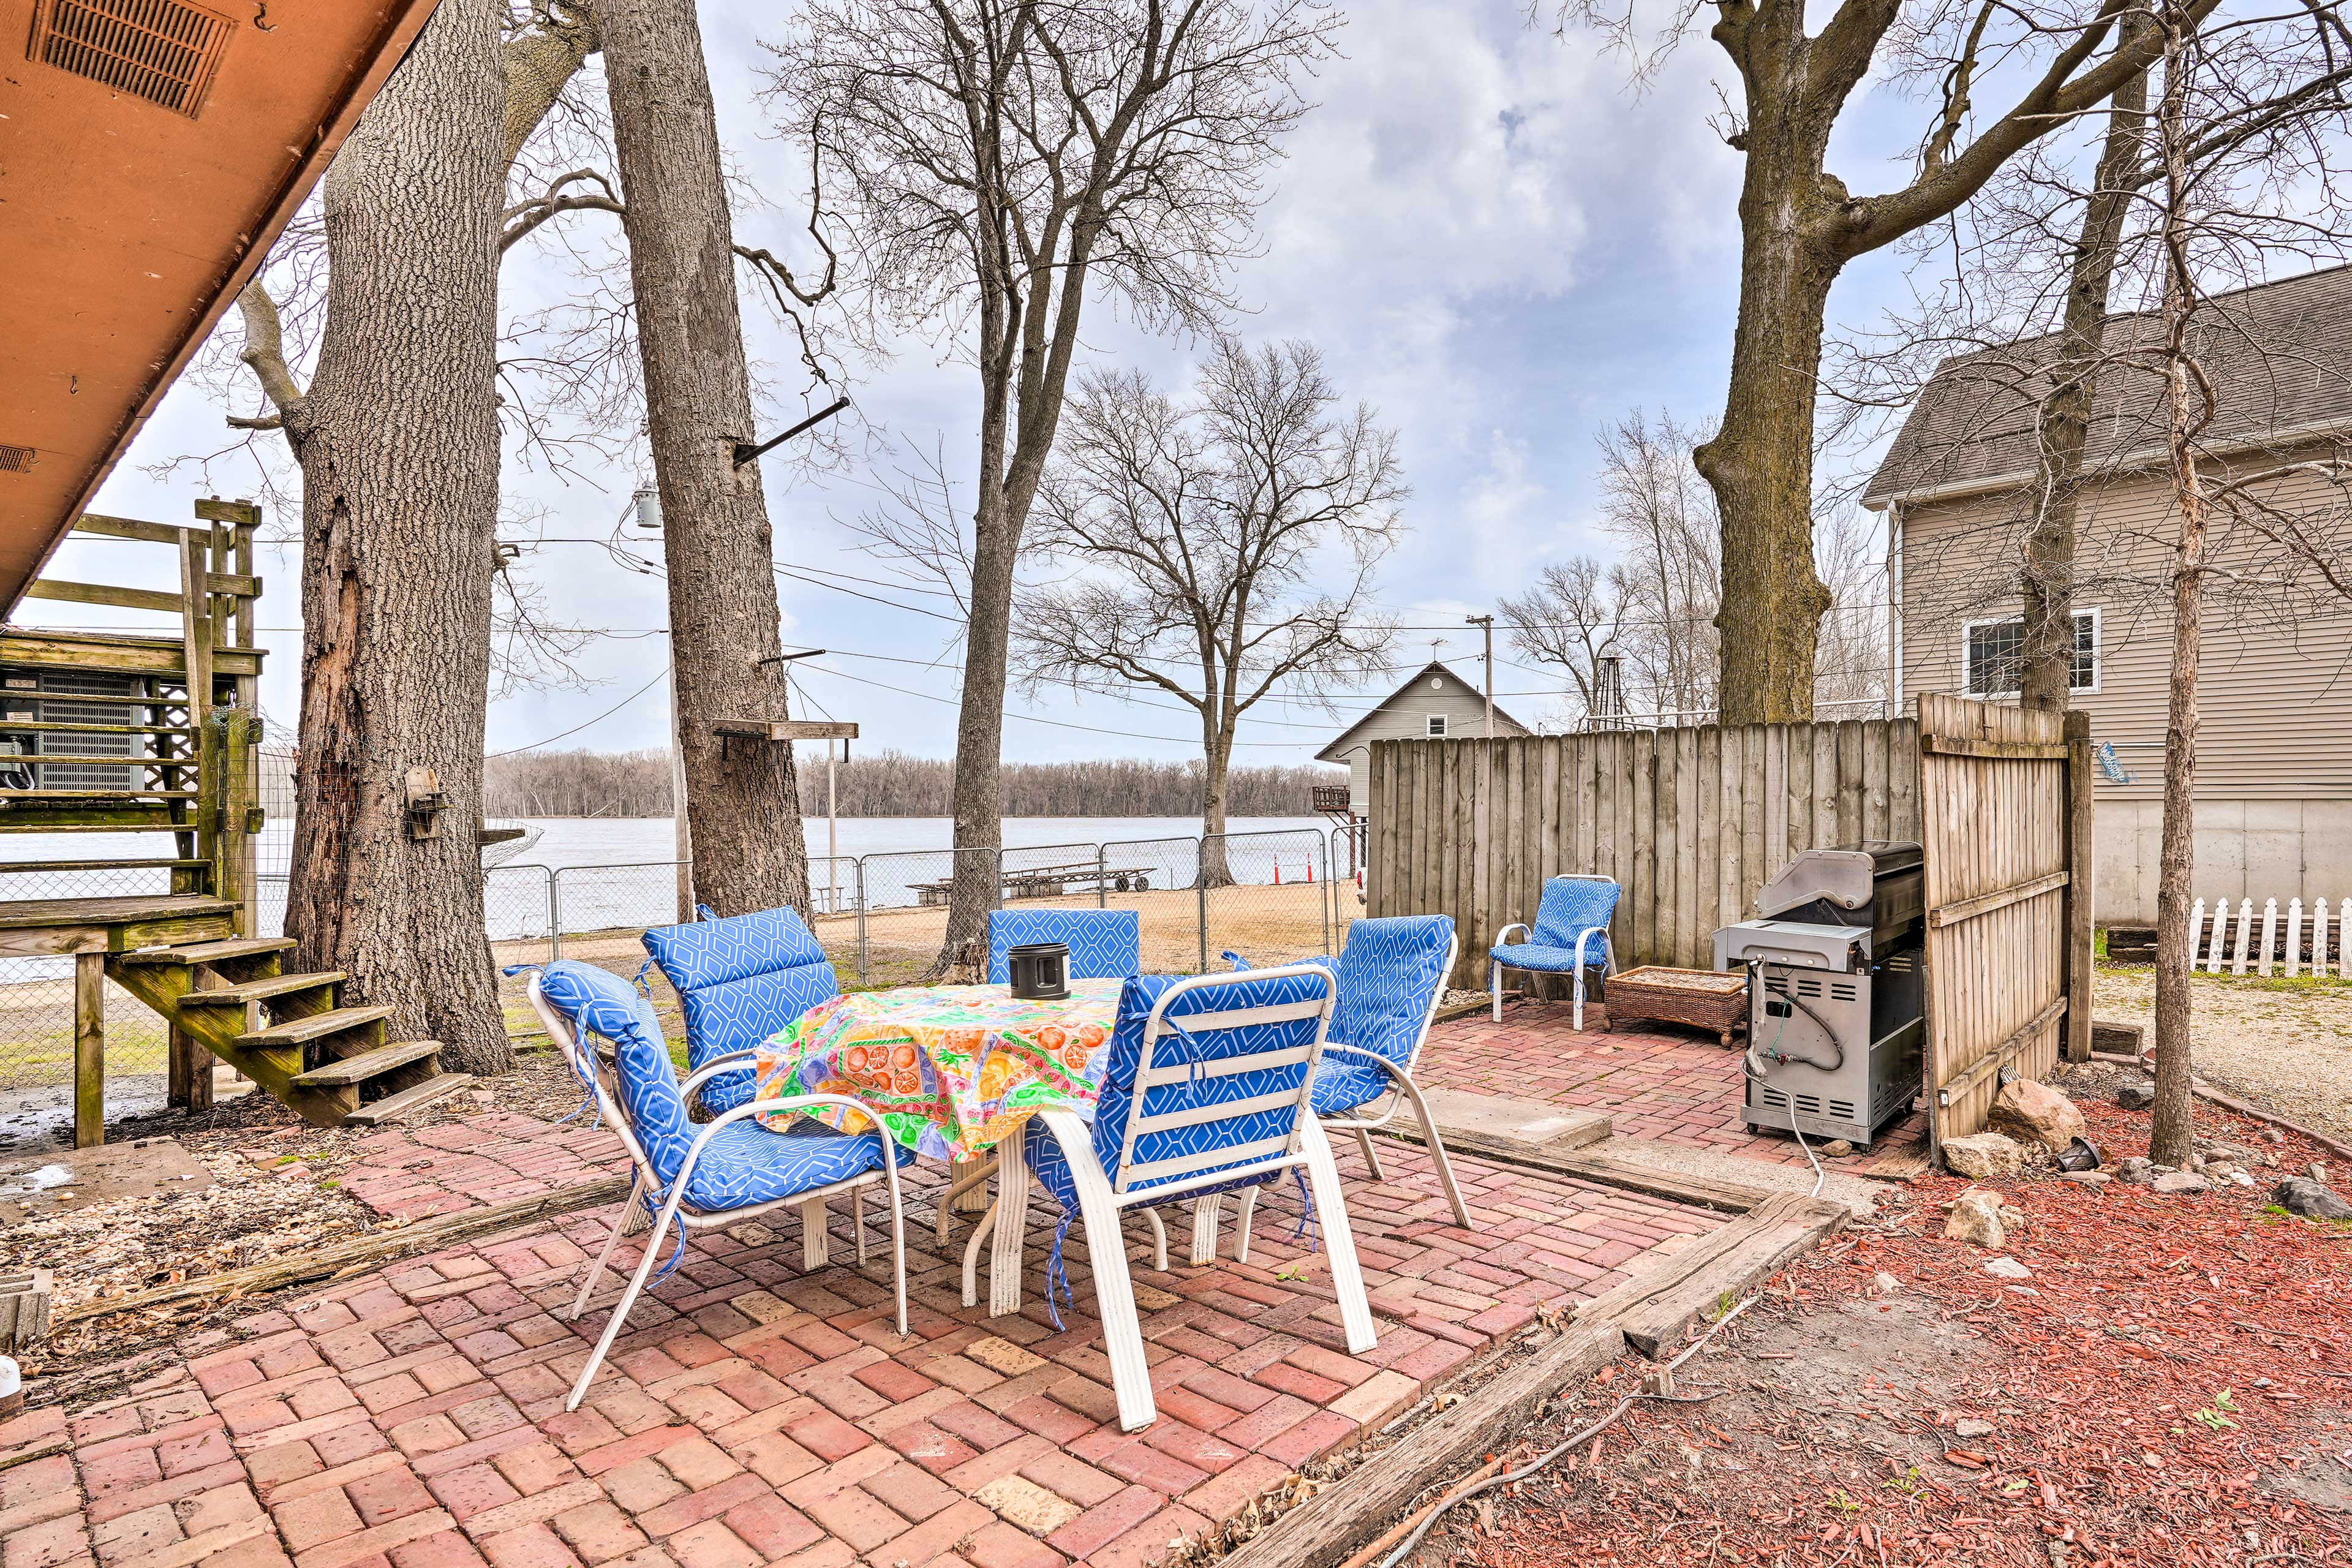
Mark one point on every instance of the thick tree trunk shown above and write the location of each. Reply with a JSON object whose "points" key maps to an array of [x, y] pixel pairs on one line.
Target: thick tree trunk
{"points": [[1761, 469], [2048, 590], [1760, 462], [743, 798], [398, 439]]}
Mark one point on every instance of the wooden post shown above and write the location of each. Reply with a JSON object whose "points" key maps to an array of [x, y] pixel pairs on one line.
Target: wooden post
{"points": [[233, 869], [90, 1049], [2081, 911]]}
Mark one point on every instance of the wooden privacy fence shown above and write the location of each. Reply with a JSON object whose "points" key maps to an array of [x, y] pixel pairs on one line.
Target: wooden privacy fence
{"points": [[1692, 822], [2005, 802]]}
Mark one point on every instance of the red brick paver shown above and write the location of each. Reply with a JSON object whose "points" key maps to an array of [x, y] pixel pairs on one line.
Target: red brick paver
{"points": [[1675, 1089], [751, 1413]]}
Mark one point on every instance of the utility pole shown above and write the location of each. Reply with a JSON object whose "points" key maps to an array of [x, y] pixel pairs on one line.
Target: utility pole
{"points": [[1487, 623]]}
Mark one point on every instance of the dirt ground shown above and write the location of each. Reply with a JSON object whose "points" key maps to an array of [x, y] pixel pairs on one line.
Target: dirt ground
{"points": [[2285, 1044], [2171, 1385], [274, 1191]]}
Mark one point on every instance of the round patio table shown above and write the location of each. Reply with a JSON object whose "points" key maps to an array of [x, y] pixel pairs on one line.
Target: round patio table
{"points": [[953, 1071]]}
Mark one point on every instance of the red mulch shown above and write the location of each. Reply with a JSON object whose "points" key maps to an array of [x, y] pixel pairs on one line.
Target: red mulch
{"points": [[2173, 1385]]}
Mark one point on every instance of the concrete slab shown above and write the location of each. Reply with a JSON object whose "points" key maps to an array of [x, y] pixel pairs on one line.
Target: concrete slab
{"points": [[61, 1179], [1507, 1128]]}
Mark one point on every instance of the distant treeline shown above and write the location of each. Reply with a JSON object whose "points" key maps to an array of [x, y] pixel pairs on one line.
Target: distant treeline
{"points": [[891, 783]]}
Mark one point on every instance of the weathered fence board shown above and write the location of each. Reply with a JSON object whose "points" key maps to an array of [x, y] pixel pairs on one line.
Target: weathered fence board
{"points": [[1998, 834], [1691, 821]]}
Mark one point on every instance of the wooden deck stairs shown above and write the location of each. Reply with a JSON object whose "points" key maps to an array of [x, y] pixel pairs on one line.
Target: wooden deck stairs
{"points": [[110, 732]]}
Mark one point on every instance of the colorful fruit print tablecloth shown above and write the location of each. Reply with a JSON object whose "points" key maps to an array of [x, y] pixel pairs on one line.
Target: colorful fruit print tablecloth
{"points": [[953, 1069]]}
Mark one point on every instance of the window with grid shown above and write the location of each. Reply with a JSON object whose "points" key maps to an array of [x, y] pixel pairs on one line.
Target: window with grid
{"points": [[1996, 655]]}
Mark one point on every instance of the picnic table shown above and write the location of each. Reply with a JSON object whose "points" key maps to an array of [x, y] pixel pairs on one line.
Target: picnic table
{"points": [[953, 1071], [1051, 881]]}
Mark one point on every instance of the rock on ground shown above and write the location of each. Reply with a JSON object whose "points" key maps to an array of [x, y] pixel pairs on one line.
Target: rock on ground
{"points": [[2182, 1182], [2300, 1194], [2134, 1094], [1976, 1219], [2007, 1268], [1983, 1156], [2135, 1171], [2027, 1110]]}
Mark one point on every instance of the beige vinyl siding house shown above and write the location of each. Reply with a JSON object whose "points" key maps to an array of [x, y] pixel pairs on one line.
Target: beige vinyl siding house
{"points": [[2274, 774], [1435, 704]]}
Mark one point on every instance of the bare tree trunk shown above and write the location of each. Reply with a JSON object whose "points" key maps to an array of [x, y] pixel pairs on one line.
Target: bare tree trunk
{"points": [[2047, 678], [398, 441], [742, 797], [1760, 464], [1217, 759], [976, 885], [2171, 1136]]}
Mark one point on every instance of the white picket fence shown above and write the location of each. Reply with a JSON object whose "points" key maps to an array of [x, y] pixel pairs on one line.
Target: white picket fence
{"points": [[2219, 943]]}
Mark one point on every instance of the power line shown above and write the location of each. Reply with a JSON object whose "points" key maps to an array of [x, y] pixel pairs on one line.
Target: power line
{"points": [[1031, 719], [599, 718]]}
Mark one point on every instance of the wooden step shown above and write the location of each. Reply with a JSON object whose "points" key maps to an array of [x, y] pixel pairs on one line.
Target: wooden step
{"points": [[48, 728], [19, 868], [367, 1064], [94, 796], [32, 822], [255, 990], [393, 1106], [207, 952], [130, 908], [295, 1031]]}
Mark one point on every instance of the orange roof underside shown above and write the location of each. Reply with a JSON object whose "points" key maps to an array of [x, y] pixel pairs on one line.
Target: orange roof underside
{"points": [[128, 225]]}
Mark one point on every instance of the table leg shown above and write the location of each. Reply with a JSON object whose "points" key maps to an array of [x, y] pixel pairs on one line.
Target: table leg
{"points": [[973, 1199], [1012, 1227], [816, 1247]]}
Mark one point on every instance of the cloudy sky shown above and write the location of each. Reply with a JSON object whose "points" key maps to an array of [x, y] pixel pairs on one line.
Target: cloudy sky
{"points": [[1492, 240]]}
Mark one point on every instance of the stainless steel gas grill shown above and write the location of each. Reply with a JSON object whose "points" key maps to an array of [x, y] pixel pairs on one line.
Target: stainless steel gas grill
{"points": [[1836, 984]]}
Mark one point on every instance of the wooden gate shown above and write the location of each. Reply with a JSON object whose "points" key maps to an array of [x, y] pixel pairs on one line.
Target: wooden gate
{"points": [[2005, 822]]}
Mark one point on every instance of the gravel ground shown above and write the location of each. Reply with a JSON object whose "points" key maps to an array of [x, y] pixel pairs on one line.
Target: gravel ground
{"points": [[2285, 1044]]}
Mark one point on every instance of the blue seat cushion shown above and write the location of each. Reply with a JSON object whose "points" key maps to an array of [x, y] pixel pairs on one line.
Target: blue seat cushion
{"points": [[744, 1164], [1344, 1082], [1104, 944], [740, 980], [1550, 959]]}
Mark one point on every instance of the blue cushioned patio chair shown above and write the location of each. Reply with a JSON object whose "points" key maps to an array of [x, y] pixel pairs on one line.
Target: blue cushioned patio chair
{"points": [[1207, 1087], [694, 1177], [1574, 911], [1104, 944], [1392, 976], [739, 981]]}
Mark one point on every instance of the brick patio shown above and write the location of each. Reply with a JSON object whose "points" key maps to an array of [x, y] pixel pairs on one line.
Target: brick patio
{"points": [[1673, 1088], [413, 1415]]}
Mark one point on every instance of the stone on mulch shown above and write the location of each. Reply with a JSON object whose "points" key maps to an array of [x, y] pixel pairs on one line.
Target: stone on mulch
{"points": [[2173, 1182], [2136, 1171], [1983, 1156], [2135, 1094], [2301, 1195], [1976, 1218], [2031, 1111]]}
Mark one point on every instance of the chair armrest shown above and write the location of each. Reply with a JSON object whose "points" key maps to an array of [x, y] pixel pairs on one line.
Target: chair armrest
{"points": [[1587, 934], [1502, 937], [1391, 1068], [710, 1068]]}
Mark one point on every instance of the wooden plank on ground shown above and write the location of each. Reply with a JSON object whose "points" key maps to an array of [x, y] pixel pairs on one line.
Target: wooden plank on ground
{"points": [[1329, 1526], [1751, 1249]]}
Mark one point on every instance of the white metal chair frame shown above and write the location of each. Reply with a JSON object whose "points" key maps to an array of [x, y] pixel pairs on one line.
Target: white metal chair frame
{"points": [[1608, 954], [812, 1204], [1102, 1202]]}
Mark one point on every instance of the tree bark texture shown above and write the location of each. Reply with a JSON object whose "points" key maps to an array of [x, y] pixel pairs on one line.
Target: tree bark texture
{"points": [[398, 441], [2048, 591], [742, 799], [1761, 463], [2172, 1126]]}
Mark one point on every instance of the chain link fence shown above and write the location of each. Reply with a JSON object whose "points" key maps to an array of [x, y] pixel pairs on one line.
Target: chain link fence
{"points": [[1271, 897]]}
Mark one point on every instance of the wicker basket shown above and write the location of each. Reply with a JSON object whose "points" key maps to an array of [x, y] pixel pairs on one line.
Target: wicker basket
{"points": [[1702, 998]]}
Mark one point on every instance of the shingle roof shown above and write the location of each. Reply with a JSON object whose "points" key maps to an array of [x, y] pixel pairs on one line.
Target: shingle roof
{"points": [[1504, 723], [2279, 356]]}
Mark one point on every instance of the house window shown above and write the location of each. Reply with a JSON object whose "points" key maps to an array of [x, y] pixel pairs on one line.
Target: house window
{"points": [[1437, 726], [1995, 652]]}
